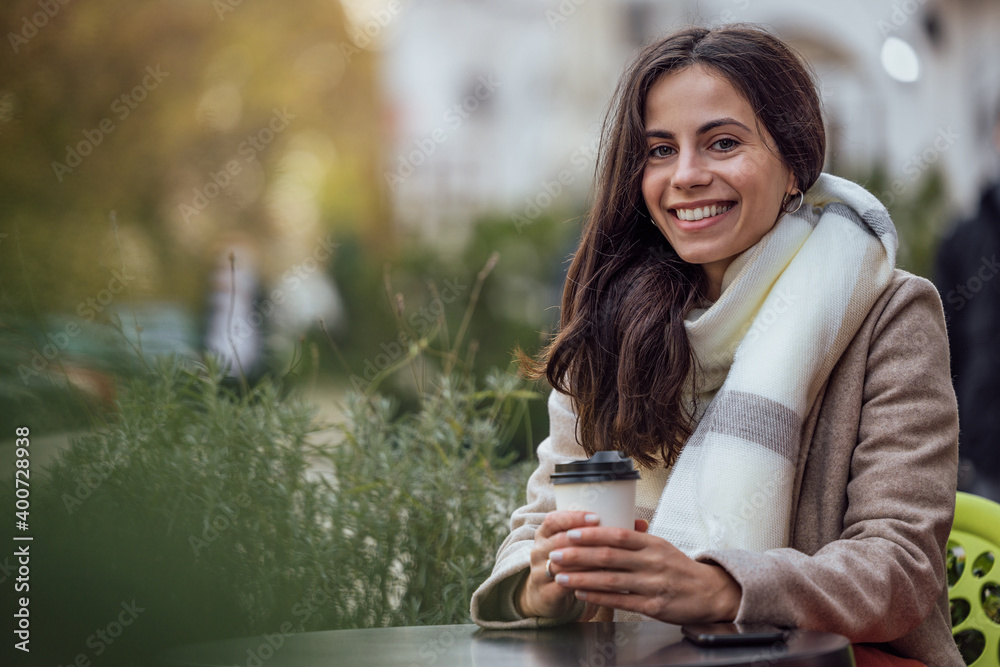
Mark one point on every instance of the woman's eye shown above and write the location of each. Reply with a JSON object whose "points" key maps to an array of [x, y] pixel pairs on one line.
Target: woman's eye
{"points": [[726, 144], [661, 151]]}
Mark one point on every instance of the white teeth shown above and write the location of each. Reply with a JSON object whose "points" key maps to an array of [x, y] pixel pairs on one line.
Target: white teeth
{"points": [[694, 214]]}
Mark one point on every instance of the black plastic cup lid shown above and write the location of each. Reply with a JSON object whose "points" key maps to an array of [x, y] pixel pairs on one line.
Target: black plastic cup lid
{"points": [[601, 467]]}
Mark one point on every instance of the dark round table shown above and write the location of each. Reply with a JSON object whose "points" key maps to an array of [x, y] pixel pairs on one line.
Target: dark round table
{"points": [[573, 645]]}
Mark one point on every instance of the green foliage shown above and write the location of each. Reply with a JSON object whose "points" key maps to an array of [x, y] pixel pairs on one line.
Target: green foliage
{"points": [[420, 508], [920, 214], [225, 515], [415, 292], [518, 304]]}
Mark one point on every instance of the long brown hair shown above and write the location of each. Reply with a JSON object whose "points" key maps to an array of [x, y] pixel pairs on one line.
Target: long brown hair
{"points": [[622, 351]]}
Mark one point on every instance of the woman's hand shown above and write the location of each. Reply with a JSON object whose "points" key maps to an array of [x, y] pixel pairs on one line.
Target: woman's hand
{"points": [[598, 563], [539, 595]]}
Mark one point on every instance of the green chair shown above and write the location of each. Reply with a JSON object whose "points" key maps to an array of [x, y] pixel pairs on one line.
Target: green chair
{"points": [[973, 581]]}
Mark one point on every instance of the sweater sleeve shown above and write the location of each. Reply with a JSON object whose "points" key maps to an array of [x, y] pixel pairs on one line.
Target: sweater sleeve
{"points": [[885, 573], [492, 604]]}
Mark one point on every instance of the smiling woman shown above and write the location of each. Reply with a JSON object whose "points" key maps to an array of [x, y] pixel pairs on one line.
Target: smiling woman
{"points": [[712, 185], [734, 322]]}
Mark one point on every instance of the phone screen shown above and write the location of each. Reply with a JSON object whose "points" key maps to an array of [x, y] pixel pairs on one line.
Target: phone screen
{"points": [[733, 634]]}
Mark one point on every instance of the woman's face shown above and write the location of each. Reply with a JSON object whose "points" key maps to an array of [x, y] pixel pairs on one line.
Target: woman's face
{"points": [[712, 182]]}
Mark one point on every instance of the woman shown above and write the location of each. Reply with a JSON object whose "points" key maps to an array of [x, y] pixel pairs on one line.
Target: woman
{"points": [[733, 321]]}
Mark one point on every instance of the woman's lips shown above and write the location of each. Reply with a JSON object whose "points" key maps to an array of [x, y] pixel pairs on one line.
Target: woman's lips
{"points": [[694, 225]]}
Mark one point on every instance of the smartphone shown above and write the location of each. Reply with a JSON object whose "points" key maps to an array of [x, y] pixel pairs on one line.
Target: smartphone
{"points": [[733, 634]]}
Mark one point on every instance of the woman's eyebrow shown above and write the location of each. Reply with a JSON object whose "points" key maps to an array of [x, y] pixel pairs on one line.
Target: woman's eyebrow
{"points": [[707, 127]]}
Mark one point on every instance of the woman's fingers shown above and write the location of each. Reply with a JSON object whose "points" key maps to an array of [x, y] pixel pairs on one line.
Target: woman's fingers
{"points": [[596, 558], [563, 533], [540, 595], [535, 598], [657, 580], [559, 522], [613, 537], [601, 580], [592, 548], [573, 544]]}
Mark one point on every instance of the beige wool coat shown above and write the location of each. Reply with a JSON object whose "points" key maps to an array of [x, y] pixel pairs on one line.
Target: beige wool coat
{"points": [[873, 503]]}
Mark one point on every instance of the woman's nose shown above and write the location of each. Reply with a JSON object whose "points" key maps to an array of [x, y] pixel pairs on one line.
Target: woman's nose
{"points": [[690, 170]]}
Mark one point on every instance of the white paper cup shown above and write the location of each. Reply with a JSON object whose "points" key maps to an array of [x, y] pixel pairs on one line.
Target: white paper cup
{"points": [[604, 484], [613, 501]]}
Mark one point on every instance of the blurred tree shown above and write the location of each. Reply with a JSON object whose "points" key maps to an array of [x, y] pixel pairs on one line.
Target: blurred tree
{"points": [[191, 119]]}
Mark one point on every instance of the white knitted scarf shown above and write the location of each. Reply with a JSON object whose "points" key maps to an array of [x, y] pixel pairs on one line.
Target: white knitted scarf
{"points": [[789, 306]]}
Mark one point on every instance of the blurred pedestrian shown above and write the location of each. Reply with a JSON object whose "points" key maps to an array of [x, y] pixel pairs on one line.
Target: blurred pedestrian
{"points": [[968, 262], [231, 332]]}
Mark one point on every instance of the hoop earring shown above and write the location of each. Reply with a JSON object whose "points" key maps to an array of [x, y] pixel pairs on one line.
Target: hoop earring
{"points": [[788, 197]]}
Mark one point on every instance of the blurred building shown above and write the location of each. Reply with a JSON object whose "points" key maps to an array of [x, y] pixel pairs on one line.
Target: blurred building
{"points": [[490, 102]]}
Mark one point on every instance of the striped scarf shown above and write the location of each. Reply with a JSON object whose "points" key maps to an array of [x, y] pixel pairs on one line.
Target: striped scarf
{"points": [[789, 306]]}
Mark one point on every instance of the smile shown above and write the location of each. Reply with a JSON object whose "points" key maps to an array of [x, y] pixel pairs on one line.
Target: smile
{"points": [[695, 214]]}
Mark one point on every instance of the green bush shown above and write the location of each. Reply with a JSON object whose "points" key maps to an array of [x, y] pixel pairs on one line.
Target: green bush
{"points": [[919, 210], [418, 286], [420, 505], [211, 510]]}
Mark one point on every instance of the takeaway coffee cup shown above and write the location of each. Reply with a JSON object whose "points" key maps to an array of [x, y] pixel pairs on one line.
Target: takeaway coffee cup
{"points": [[603, 484]]}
